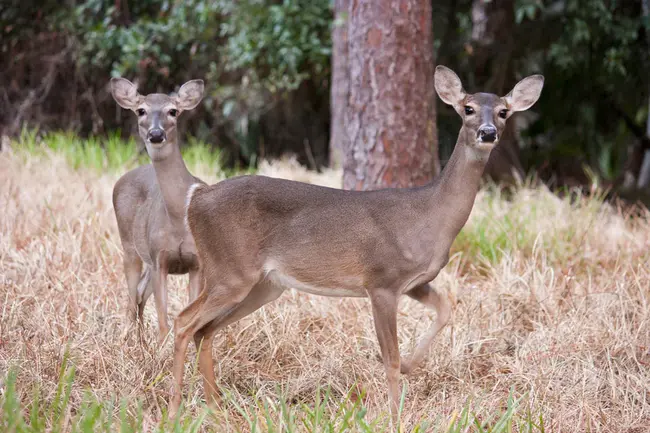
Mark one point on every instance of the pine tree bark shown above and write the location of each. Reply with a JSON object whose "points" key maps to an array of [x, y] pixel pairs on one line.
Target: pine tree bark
{"points": [[390, 115], [340, 84]]}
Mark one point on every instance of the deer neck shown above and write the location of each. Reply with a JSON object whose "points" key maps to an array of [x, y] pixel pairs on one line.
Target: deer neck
{"points": [[452, 195], [174, 180]]}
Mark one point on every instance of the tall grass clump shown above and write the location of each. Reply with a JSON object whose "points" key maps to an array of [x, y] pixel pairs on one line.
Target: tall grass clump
{"points": [[530, 220], [112, 152], [201, 158], [57, 413]]}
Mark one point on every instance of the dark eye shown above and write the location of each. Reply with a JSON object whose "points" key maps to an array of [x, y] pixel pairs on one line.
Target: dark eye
{"points": [[173, 112], [140, 111], [503, 114], [469, 110]]}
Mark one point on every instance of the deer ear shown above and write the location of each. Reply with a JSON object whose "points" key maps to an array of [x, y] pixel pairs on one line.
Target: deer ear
{"points": [[125, 93], [525, 93], [448, 86], [190, 94]]}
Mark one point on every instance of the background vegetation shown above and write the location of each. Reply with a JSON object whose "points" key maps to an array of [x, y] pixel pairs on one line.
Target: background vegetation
{"points": [[267, 66]]}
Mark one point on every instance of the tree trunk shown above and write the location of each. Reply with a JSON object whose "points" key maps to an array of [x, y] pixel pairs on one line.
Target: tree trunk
{"points": [[643, 181], [390, 115], [340, 83], [644, 172]]}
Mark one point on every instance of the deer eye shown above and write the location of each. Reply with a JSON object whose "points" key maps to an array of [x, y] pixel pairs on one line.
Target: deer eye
{"points": [[173, 112], [503, 114], [141, 111], [469, 110]]}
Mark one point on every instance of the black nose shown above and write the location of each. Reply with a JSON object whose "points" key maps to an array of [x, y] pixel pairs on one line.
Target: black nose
{"points": [[487, 133], [156, 135]]}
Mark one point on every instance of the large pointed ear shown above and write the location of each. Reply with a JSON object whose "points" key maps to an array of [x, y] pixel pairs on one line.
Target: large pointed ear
{"points": [[448, 86], [525, 93], [190, 94], [125, 93]]}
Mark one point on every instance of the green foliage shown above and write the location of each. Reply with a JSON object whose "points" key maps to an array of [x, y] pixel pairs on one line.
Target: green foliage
{"points": [[527, 9], [596, 65], [112, 153], [324, 414], [160, 39], [197, 152], [249, 52], [272, 48], [501, 227], [598, 36], [109, 153], [281, 44], [278, 45], [92, 415]]}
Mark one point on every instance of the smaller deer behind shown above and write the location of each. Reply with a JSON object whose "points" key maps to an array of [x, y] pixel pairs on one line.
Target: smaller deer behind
{"points": [[149, 201]]}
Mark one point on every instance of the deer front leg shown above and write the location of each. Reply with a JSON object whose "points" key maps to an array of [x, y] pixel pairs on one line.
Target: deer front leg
{"points": [[384, 313], [132, 271], [159, 281], [432, 299], [261, 294], [201, 319]]}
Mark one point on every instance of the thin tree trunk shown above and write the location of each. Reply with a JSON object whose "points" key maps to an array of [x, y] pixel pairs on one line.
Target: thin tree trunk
{"points": [[340, 87], [390, 117], [492, 38], [644, 173]]}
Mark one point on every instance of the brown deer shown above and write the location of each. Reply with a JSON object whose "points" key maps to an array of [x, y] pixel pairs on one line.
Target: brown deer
{"points": [[256, 236], [149, 201]]}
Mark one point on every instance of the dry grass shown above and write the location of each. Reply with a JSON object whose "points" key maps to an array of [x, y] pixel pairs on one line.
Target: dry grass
{"points": [[552, 302]]}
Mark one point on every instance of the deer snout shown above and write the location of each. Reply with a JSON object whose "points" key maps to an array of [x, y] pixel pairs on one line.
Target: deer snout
{"points": [[156, 135], [487, 133]]}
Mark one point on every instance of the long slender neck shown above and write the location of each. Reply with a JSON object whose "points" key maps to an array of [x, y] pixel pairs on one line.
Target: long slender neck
{"points": [[452, 195], [174, 181]]}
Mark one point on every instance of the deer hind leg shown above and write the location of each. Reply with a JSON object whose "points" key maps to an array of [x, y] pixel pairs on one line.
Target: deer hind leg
{"points": [[214, 304], [263, 293], [384, 313], [432, 299], [194, 287]]}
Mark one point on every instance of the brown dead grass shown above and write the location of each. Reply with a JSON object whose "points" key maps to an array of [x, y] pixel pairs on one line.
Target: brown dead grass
{"points": [[562, 315]]}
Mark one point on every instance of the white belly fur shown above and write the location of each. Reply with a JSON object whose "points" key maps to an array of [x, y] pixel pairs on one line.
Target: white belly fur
{"points": [[277, 276]]}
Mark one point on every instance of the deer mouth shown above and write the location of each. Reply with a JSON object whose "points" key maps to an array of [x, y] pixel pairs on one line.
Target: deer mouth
{"points": [[486, 145], [157, 144]]}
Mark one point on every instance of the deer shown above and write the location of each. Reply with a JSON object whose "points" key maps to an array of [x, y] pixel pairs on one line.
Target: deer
{"points": [[149, 201], [257, 236]]}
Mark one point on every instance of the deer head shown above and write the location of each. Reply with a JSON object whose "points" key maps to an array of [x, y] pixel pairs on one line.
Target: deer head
{"points": [[485, 114], [157, 113]]}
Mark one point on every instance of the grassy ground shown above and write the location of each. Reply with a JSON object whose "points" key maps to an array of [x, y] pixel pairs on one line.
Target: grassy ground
{"points": [[551, 329]]}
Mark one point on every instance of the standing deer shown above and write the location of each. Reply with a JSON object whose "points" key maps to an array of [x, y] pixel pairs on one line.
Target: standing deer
{"points": [[149, 201], [256, 236]]}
